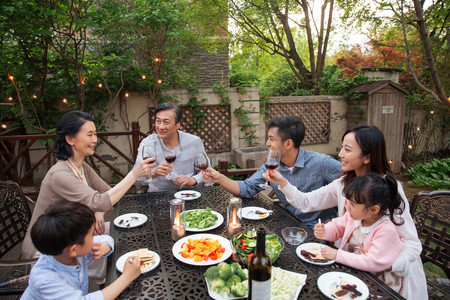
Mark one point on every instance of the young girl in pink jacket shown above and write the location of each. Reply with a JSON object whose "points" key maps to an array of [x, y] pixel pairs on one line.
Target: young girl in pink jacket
{"points": [[368, 229]]}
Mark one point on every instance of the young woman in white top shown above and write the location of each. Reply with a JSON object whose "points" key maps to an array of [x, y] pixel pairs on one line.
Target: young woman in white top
{"points": [[364, 150]]}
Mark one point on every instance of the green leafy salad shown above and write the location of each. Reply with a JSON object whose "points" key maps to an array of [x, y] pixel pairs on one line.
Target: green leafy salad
{"points": [[244, 245], [199, 218]]}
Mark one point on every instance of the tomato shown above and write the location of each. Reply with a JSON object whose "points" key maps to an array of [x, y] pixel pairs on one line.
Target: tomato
{"points": [[184, 255], [213, 256]]}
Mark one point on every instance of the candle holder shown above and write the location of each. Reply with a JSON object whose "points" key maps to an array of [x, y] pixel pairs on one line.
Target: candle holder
{"points": [[234, 216], [176, 219]]}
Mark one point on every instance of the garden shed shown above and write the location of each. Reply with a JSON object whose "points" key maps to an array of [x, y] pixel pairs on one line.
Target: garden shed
{"points": [[383, 104]]}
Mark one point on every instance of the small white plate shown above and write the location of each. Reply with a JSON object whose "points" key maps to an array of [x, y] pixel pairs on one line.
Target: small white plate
{"points": [[121, 261], [190, 261], [309, 245], [193, 195], [328, 282], [249, 213], [130, 220], [219, 222]]}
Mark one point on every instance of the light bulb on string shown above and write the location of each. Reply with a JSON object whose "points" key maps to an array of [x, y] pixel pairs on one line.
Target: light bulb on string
{"points": [[10, 98], [127, 95], [159, 81], [410, 146], [64, 101], [418, 128], [432, 112], [100, 85], [34, 97], [143, 77], [11, 77], [4, 126], [390, 162]]}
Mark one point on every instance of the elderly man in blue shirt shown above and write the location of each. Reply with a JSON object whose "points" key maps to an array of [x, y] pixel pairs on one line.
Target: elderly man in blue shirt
{"points": [[306, 170], [168, 137]]}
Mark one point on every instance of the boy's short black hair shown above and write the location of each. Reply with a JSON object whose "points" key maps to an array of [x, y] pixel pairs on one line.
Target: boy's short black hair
{"points": [[289, 127], [63, 224]]}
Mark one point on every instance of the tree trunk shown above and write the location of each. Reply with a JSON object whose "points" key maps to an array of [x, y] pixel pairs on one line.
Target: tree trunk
{"points": [[429, 54]]}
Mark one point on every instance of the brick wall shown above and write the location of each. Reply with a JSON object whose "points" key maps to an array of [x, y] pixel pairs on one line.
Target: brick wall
{"points": [[212, 67]]}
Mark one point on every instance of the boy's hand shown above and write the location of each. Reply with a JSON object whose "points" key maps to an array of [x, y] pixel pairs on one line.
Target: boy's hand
{"points": [[319, 230], [132, 268], [100, 249], [275, 177], [162, 169], [329, 253]]}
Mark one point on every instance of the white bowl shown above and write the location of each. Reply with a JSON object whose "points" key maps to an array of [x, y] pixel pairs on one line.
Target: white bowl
{"points": [[294, 235]]}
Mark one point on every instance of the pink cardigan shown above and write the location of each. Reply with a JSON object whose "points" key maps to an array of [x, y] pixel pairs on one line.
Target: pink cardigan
{"points": [[382, 244]]}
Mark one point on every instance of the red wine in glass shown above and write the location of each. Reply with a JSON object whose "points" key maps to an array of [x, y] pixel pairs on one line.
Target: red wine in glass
{"points": [[202, 167], [271, 166], [150, 162], [171, 159]]}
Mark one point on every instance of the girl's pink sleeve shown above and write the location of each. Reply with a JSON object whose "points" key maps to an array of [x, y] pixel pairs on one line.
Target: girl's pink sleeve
{"points": [[381, 253], [335, 229]]}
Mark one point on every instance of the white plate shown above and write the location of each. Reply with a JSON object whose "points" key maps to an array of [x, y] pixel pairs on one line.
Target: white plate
{"points": [[309, 245], [129, 219], [329, 281], [121, 261], [249, 213], [223, 241], [217, 296], [219, 222], [195, 195]]}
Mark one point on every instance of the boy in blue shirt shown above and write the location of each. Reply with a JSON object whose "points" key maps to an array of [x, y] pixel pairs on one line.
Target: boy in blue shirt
{"points": [[65, 237]]}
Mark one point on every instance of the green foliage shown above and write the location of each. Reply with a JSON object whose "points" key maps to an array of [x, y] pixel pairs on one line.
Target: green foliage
{"points": [[435, 174], [231, 167]]}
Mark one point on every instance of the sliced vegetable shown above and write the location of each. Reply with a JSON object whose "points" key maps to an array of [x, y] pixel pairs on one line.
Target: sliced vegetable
{"points": [[202, 249], [200, 218]]}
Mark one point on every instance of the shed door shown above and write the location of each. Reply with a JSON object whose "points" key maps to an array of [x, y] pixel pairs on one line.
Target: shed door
{"points": [[386, 111]]}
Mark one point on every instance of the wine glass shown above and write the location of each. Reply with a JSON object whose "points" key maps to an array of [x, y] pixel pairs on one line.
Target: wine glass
{"points": [[202, 162], [170, 155], [147, 152], [272, 162]]}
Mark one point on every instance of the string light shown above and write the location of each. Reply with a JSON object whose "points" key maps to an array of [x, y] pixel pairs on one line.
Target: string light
{"points": [[34, 97], [432, 112], [10, 98], [143, 76], [4, 126], [127, 95], [64, 100], [159, 81], [157, 59], [390, 162], [100, 85], [410, 146], [11, 77], [418, 128]]}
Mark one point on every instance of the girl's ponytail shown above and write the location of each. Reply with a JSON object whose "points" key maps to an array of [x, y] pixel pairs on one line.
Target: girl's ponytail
{"points": [[395, 205]]}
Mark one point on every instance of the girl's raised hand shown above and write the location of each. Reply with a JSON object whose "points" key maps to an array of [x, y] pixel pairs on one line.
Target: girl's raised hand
{"points": [[329, 253], [319, 230], [275, 177]]}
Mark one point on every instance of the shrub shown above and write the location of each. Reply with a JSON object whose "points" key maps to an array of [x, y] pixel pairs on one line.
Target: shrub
{"points": [[435, 174]]}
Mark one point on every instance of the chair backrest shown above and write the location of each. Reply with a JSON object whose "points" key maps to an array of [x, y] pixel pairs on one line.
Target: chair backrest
{"points": [[431, 213], [15, 215]]}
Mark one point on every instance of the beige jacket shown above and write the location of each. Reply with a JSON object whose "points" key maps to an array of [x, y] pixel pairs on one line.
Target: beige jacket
{"points": [[60, 184]]}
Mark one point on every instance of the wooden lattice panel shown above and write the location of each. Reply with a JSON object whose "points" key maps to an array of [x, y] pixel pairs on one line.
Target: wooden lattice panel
{"points": [[216, 128], [315, 116]]}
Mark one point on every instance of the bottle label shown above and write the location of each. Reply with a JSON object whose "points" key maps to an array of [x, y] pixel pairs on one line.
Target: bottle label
{"points": [[261, 289]]}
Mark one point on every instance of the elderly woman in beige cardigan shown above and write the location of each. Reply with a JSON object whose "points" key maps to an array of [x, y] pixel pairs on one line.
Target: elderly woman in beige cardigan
{"points": [[71, 179]]}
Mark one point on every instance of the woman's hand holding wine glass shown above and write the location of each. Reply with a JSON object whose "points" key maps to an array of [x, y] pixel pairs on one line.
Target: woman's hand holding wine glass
{"points": [[272, 162], [148, 151], [202, 163]]}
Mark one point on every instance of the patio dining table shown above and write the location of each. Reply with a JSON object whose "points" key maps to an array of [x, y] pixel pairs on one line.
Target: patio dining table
{"points": [[173, 279]]}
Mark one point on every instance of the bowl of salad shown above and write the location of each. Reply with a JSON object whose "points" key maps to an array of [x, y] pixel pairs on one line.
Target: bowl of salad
{"points": [[243, 245]]}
